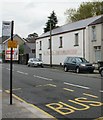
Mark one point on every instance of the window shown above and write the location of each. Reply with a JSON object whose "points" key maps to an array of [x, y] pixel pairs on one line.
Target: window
{"points": [[40, 45], [48, 43], [61, 43], [76, 40], [33, 50], [93, 33]]}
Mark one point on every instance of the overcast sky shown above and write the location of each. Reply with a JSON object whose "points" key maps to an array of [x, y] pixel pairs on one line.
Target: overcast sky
{"points": [[31, 15]]}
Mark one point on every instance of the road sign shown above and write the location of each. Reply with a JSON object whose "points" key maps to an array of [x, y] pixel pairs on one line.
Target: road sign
{"points": [[12, 44], [6, 28]]}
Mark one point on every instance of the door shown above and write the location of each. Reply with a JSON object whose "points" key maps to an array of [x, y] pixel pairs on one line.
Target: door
{"points": [[97, 55]]}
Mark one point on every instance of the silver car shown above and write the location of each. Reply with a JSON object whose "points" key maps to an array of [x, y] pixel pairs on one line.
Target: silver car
{"points": [[35, 62]]}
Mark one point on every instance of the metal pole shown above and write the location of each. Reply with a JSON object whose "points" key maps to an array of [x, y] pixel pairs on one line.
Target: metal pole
{"points": [[12, 25], [50, 46]]}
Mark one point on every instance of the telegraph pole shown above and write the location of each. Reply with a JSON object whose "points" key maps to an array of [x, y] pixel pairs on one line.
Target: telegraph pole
{"points": [[50, 46]]}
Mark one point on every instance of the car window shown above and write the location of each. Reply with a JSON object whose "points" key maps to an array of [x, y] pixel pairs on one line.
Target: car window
{"points": [[66, 60], [73, 60], [81, 60], [70, 60]]}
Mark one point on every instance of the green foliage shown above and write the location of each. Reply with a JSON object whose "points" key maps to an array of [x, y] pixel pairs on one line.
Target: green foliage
{"points": [[85, 10], [21, 49], [52, 19], [31, 37]]}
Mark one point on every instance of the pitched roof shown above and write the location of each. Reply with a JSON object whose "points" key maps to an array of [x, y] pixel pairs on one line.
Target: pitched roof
{"points": [[30, 45], [71, 26], [13, 37]]}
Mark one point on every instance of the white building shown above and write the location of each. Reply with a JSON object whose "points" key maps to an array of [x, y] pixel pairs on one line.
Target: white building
{"points": [[83, 38]]}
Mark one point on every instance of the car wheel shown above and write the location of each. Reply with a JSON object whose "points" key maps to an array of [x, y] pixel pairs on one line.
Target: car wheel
{"points": [[65, 69], [77, 70], [28, 65], [101, 73]]}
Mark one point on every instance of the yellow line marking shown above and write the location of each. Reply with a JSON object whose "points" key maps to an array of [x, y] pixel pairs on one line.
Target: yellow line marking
{"points": [[50, 85], [100, 118], [18, 98], [68, 89], [90, 95]]}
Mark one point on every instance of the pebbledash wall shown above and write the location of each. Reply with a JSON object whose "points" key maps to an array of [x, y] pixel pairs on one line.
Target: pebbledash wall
{"points": [[82, 38]]}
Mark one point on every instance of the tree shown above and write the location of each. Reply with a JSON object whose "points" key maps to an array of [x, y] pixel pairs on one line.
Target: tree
{"points": [[85, 10], [52, 19], [32, 37], [21, 49]]}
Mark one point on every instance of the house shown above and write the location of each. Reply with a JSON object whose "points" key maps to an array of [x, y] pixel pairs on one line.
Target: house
{"points": [[19, 40], [30, 49], [83, 38]]}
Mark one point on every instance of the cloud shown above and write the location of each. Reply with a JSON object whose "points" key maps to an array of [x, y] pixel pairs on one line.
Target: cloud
{"points": [[31, 15]]}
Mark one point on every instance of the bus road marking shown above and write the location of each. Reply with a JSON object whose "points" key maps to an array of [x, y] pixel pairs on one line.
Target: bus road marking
{"points": [[90, 95]]}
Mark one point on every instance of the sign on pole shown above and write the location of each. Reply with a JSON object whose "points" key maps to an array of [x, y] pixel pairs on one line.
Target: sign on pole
{"points": [[6, 28], [12, 44], [15, 53]]}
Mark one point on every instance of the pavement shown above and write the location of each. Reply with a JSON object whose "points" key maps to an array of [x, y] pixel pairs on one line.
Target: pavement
{"points": [[19, 108]]}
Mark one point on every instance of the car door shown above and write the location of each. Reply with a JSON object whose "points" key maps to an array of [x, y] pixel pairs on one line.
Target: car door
{"points": [[31, 62], [69, 63], [73, 64]]}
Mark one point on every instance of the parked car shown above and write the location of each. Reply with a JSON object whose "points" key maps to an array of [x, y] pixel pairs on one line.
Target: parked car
{"points": [[78, 64], [35, 62], [101, 71]]}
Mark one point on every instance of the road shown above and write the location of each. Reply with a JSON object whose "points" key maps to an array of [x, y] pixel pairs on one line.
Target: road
{"points": [[61, 94]]}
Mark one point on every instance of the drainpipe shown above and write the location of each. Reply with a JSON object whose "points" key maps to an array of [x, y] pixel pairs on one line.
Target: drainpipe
{"points": [[83, 43]]}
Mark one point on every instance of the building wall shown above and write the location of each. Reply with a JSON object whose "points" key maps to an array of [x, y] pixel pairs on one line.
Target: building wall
{"points": [[88, 48], [68, 47], [95, 49]]}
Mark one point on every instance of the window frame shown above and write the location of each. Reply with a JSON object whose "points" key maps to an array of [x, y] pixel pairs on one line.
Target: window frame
{"points": [[61, 42], [76, 39]]}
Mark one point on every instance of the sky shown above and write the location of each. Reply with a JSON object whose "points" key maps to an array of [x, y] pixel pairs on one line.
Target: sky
{"points": [[30, 16]]}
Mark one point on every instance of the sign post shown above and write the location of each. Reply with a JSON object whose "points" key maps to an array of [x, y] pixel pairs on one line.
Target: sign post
{"points": [[12, 25]]}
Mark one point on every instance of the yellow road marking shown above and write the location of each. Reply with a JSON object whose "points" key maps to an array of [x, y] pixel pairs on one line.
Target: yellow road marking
{"points": [[68, 89], [18, 98], [52, 85], [90, 95], [100, 118]]}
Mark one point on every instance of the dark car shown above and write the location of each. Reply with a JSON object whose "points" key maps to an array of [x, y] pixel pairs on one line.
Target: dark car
{"points": [[101, 71], [78, 64]]}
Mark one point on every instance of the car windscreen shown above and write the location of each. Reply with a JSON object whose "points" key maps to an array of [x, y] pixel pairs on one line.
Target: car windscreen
{"points": [[81, 60], [36, 59]]}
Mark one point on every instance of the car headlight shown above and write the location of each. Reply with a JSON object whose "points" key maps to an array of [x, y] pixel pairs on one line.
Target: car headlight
{"points": [[82, 64], [93, 65]]}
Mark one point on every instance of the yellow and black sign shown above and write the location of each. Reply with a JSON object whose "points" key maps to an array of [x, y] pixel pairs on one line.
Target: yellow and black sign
{"points": [[12, 44]]}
